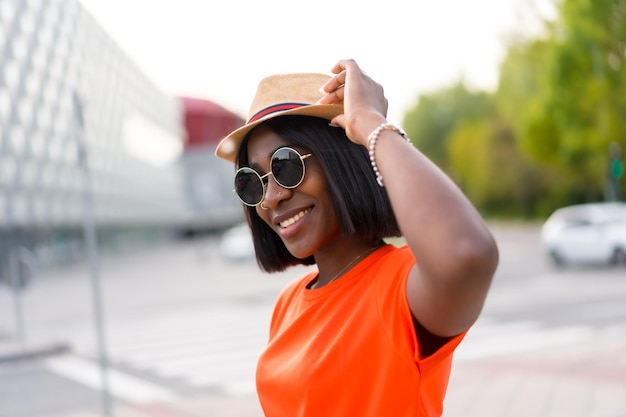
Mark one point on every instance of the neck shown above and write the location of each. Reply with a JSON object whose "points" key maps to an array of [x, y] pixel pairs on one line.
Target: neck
{"points": [[349, 265]]}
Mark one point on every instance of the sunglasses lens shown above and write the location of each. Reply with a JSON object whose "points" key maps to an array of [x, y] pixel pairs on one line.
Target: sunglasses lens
{"points": [[248, 186], [287, 168]]}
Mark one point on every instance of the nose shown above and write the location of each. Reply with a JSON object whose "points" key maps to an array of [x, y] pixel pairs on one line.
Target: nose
{"points": [[274, 193]]}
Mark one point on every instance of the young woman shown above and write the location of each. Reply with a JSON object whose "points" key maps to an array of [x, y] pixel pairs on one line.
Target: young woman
{"points": [[324, 177]]}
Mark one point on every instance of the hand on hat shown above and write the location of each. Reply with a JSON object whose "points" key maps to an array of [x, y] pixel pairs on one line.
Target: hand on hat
{"points": [[363, 99]]}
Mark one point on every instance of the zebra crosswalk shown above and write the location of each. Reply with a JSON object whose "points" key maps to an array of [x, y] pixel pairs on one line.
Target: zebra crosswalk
{"points": [[218, 347], [213, 348], [489, 338]]}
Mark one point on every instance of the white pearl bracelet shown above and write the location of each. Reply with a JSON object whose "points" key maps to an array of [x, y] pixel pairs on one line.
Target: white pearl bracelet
{"points": [[373, 137]]}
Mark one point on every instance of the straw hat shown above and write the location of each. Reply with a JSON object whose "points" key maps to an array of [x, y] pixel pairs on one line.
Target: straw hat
{"points": [[280, 95]]}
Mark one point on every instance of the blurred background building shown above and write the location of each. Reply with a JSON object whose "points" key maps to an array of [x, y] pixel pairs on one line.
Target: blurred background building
{"points": [[208, 184], [83, 130]]}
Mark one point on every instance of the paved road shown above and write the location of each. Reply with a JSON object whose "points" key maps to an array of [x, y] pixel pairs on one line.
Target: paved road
{"points": [[184, 324]]}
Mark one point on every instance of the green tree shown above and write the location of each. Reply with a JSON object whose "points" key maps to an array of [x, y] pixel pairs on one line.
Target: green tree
{"points": [[565, 96], [521, 97], [542, 140], [435, 115], [461, 131], [487, 165]]}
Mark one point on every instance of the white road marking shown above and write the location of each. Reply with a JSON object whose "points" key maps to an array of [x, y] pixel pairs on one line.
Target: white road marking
{"points": [[123, 386], [489, 340]]}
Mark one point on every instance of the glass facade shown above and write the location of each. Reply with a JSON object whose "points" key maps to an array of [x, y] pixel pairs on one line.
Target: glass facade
{"points": [[78, 118]]}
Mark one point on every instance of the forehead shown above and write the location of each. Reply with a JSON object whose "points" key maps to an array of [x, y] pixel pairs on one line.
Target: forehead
{"points": [[262, 144]]}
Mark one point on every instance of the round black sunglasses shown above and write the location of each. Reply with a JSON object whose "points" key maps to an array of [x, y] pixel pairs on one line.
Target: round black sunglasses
{"points": [[287, 167]]}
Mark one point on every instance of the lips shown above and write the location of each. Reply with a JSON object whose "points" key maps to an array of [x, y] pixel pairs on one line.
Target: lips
{"points": [[288, 222]]}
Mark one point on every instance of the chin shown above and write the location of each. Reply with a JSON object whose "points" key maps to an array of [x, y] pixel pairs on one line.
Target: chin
{"points": [[298, 252]]}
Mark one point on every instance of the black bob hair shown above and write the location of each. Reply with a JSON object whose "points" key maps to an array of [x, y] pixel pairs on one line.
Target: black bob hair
{"points": [[361, 205]]}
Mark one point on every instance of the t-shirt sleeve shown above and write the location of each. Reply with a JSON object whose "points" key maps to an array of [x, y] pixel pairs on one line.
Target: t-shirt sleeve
{"points": [[395, 312], [396, 315]]}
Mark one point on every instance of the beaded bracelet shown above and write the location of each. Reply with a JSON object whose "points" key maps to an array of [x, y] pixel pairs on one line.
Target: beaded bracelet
{"points": [[373, 137]]}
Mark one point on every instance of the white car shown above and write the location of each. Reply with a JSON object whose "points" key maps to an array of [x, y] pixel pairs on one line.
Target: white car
{"points": [[236, 243], [586, 233]]}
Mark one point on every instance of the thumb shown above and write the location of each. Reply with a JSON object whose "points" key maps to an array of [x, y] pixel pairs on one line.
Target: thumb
{"points": [[339, 120]]}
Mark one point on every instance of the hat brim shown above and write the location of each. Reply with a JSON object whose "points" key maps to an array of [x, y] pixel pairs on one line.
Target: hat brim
{"points": [[228, 148]]}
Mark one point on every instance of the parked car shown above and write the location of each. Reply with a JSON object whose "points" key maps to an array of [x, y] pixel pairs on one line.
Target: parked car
{"points": [[586, 233], [236, 243]]}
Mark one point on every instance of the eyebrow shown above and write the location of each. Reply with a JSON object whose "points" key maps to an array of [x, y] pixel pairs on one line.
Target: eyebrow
{"points": [[255, 166]]}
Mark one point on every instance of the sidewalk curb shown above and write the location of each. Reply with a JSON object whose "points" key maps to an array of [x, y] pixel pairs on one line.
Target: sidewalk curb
{"points": [[14, 351]]}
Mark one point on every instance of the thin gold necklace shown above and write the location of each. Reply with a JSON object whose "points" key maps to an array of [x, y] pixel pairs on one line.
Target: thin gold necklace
{"points": [[350, 265]]}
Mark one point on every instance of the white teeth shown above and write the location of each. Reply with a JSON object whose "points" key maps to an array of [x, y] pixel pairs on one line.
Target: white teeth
{"points": [[292, 220]]}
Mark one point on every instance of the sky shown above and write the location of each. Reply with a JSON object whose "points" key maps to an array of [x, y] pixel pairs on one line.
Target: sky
{"points": [[219, 50]]}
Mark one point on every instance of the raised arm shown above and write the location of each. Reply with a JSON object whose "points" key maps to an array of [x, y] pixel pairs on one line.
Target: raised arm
{"points": [[456, 255]]}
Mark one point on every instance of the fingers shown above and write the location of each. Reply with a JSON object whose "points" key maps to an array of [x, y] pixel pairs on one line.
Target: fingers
{"points": [[333, 90], [343, 65], [359, 95], [334, 96], [340, 70], [339, 120], [334, 82]]}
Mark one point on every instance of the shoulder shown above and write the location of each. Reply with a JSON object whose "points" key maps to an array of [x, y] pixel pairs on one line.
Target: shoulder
{"points": [[394, 260], [389, 273], [398, 252]]}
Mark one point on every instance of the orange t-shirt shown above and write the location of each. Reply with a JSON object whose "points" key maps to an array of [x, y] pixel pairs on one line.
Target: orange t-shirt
{"points": [[350, 348]]}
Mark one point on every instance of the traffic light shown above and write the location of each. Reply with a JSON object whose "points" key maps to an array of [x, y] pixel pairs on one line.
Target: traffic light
{"points": [[617, 166], [614, 173]]}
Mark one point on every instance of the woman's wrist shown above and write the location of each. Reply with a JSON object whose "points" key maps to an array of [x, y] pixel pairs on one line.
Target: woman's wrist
{"points": [[372, 140], [365, 125]]}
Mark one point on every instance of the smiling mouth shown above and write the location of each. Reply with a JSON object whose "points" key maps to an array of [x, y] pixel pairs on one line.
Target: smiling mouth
{"points": [[292, 220]]}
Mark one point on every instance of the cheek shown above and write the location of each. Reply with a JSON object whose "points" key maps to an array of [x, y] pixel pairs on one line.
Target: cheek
{"points": [[315, 181]]}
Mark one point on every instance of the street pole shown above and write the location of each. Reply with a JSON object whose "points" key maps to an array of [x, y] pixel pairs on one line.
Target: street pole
{"points": [[14, 282], [21, 263], [91, 243]]}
